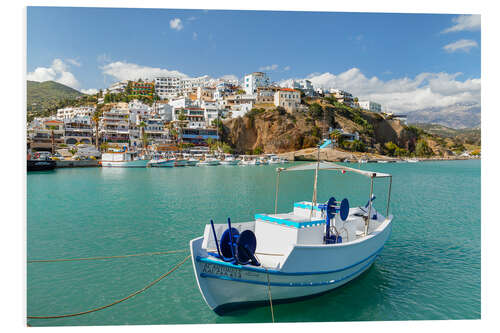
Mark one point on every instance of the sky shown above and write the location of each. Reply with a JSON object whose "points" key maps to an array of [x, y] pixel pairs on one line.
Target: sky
{"points": [[403, 61]]}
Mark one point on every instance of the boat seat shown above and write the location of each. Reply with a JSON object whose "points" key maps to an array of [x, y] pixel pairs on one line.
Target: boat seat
{"points": [[290, 220]]}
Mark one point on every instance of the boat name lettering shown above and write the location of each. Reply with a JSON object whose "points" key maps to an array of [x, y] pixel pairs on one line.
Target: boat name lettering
{"points": [[221, 270]]}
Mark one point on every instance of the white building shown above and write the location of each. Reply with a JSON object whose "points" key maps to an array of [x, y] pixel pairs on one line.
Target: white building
{"points": [[252, 81], [117, 87], [370, 106], [287, 98], [167, 86], [195, 116], [211, 111], [343, 97], [164, 111], [72, 112], [181, 102], [138, 110], [240, 110]]}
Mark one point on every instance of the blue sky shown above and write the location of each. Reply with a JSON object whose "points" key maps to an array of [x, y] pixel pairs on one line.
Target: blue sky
{"points": [[89, 42]]}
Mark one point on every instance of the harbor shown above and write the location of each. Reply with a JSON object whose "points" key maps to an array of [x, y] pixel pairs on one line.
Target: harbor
{"points": [[89, 212]]}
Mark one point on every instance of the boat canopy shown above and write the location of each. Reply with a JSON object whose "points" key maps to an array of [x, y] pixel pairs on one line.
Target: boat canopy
{"points": [[333, 166]]}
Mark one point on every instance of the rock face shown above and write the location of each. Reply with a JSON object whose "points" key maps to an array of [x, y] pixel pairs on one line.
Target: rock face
{"points": [[271, 132]]}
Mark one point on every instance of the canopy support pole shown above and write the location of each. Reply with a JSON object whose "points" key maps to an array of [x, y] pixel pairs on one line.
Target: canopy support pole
{"points": [[389, 197], [277, 189], [315, 190], [367, 222]]}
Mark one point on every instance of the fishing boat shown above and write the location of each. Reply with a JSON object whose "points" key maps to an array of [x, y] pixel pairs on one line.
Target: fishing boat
{"points": [[209, 161], [250, 161], [161, 162], [263, 160], [192, 161], [273, 159], [229, 160], [313, 249], [123, 159]]}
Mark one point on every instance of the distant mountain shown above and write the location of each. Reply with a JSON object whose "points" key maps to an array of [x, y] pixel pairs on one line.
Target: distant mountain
{"points": [[455, 116], [463, 135], [44, 95]]}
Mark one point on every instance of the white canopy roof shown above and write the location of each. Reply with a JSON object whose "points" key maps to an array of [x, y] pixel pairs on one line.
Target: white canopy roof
{"points": [[333, 166]]}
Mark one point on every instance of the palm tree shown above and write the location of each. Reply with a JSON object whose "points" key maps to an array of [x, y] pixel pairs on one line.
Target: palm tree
{"points": [[337, 136], [142, 124], [95, 119], [52, 128]]}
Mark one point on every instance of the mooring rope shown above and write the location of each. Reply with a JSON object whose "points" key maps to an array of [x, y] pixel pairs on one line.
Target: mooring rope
{"points": [[269, 294], [118, 301], [108, 257]]}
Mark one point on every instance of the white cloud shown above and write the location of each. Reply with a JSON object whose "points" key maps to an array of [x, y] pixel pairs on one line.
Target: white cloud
{"points": [[90, 91], [74, 62], [195, 35], [103, 58], [176, 24], [461, 45], [229, 77], [57, 72], [128, 71], [269, 68], [425, 90], [287, 68], [464, 22]]}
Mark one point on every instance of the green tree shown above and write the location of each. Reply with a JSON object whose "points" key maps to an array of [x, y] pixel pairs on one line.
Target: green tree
{"points": [[390, 148], [358, 145], [281, 110], [423, 149]]}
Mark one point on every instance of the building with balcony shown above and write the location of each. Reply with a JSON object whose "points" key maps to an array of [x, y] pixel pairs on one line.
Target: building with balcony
{"points": [[370, 106], [167, 86], [77, 111], [287, 98], [78, 130], [140, 88], [252, 81], [193, 116], [198, 136], [114, 128], [343, 97], [48, 136]]}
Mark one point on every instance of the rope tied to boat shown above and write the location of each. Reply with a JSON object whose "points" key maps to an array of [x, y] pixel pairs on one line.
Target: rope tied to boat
{"points": [[107, 257], [118, 301], [269, 294]]}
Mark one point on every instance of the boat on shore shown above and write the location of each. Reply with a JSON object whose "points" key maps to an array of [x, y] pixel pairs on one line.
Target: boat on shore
{"points": [[123, 159], [412, 160], [238, 264]]}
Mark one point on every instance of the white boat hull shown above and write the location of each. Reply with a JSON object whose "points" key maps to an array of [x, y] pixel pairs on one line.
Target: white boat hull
{"points": [[125, 164], [307, 271], [231, 162]]}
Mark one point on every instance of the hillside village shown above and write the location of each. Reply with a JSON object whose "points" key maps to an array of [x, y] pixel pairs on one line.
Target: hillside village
{"points": [[252, 117]]}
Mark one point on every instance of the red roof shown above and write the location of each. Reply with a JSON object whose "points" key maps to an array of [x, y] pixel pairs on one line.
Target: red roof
{"points": [[287, 89], [53, 121]]}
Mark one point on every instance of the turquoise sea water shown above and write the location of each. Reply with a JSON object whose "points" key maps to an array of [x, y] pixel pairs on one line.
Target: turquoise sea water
{"points": [[429, 269]]}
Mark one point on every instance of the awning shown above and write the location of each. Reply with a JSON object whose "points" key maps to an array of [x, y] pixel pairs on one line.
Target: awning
{"points": [[333, 166]]}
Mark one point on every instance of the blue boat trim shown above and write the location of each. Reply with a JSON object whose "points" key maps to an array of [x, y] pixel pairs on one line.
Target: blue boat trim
{"points": [[273, 271], [298, 225], [305, 206], [290, 284]]}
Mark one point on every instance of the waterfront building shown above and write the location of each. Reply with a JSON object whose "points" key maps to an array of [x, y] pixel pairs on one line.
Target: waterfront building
{"points": [[163, 110], [212, 111], [78, 130], [265, 95], [370, 106], [252, 81], [72, 112], [167, 86], [199, 136], [114, 128], [287, 98], [48, 136]]}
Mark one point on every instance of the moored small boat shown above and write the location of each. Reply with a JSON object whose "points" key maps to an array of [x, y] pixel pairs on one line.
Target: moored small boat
{"points": [[123, 159], [238, 264], [229, 160]]}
